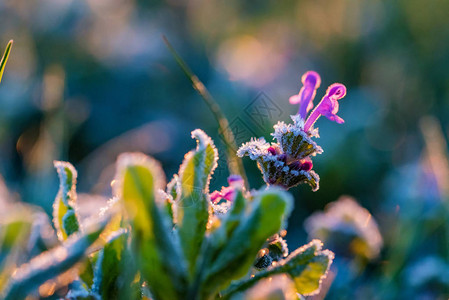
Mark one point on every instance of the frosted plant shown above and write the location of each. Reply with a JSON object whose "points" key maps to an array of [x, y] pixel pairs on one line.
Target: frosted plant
{"points": [[200, 252], [165, 241], [347, 228], [287, 162]]}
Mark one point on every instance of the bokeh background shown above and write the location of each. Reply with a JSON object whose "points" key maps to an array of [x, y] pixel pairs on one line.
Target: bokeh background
{"points": [[89, 79]]}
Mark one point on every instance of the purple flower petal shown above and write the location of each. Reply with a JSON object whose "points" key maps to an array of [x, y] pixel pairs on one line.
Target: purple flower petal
{"points": [[328, 106], [228, 193], [311, 81], [215, 196], [234, 178]]}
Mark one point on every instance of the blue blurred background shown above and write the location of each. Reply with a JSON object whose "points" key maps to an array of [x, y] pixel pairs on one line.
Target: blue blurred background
{"points": [[89, 79]]}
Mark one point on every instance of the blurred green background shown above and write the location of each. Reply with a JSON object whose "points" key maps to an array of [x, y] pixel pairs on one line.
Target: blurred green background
{"points": [[89, 79]]}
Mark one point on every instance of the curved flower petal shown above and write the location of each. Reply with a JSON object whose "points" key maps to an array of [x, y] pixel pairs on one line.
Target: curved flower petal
{"points": [[311, 81], [328, 106]]}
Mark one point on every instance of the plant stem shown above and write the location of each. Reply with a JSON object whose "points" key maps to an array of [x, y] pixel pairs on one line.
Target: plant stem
{"points": [[5, 58], [234, 162]]}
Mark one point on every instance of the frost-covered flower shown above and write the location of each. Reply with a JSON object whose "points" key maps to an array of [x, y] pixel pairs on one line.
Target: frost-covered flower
{"points": [[346, 228], [288, 162], [228, 193], [278, 167]]}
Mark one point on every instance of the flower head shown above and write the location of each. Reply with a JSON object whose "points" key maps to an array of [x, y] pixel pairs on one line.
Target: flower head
{"points": [[288, 162], [279, 167]]}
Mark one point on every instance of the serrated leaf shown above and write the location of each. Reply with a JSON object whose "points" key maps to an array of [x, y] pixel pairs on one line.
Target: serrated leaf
{"points": [[5, 59], [174, 188], [265, 217], [307, 266], [155, 246], [192, 210], [50, 264], [65, 218]]}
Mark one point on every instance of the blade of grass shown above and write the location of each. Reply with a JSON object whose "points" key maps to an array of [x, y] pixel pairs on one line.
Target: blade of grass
{"points": [[234, 162], [5, 59]]}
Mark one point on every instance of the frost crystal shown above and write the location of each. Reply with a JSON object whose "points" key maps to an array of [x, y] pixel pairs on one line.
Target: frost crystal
{"points": [[255, 149], [294, 140]]}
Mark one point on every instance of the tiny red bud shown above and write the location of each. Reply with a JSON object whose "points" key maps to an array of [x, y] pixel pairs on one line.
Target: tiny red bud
{"points": [[272, 150], [306, 166]]}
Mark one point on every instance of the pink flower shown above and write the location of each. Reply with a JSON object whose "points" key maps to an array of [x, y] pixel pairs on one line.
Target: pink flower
{"points": [[311, 81], [228, 193], [328, 105]]}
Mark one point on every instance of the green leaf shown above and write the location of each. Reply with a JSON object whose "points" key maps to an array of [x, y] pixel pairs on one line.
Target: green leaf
{"points": [[65, 218], [264, 217], [48, 265], [113, 208], [5, 59], [307, 266], [14, 235], [174, 188], [156, 247], [112, 270], [230, 222], [86, 273], [192, 210]]}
